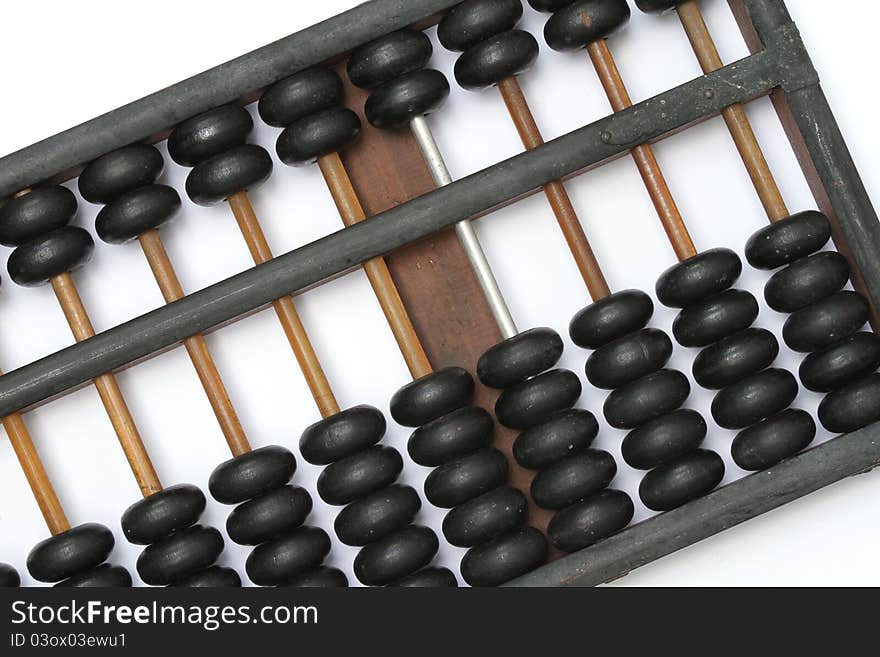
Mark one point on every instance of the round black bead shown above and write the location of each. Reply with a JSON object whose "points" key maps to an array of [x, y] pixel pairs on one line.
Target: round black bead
{"points": [[119, 172], [820, 325], [342, 435], [769, 442], [320, 578], [786, 241], [490, 61], [215, 577], [430, 578], [565, 433], [432, 397], [589, 521], [852, 407], [844, 362], [180, 555], [269, 516], [451, 436], [396, 103], [529, 403], [360, 474], [755, 398], [388, 58], [483, 518], [317, 135], [807, 281], [505, 558], [677, 483], [280, 561], [9, 578], [472, 21], [394, 557], [573, 478], [582, 22], [628, 359], [378, 515], [252, 474], [664, 439], [735, 357], [104, 576], [63, 250], [74, 551], [657, 6], [715, 318], [457, 482], [36, 213], [648, 398], [202, 137], [698, 278], [611, 318], [307, 92], [133, 213], [520, 357], [159, 515], [233, 171]]}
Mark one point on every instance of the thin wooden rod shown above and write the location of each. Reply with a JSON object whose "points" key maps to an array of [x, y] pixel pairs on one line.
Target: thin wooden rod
{"points": [[196, 347], [556, 193], [108, 390], [352, 212], [285, 309], [734, 116], [646, 161]]}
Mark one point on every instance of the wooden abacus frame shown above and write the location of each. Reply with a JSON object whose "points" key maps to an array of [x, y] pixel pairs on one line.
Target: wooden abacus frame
{"points": [[779, 67]]}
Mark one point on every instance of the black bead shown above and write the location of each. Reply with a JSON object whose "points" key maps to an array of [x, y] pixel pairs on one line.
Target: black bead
{"points": [[786, 241], [459, 481], [715, 318], [119, 172], [180, 555], [76, 550], [307, 92], [269, 516], [483, 518], [318, 135], [233, 171], [358, 475], [429, 578], [773, 440], [664, 439], [565, 433], [698, 278], [63, 250], [674, 484], [657, 6], [9, 578], [252, 474], [320, 578], [377, 515], [472, 21], [852, 407], [582, 22], [848, 360], [820, 325], [806, 281], [735, 357], [589, 521], [650, 397], [36, 213], [163, 513], [394, 557], [207, 135], [499, 57], [755, 398], [611, 318], [280, 561], [342, 435], [573, 478], [520, 357], [628, 359], [529, 403], [388, 58], [505, 558], [103, 577], [432, 397], [396, 103], [215, 577], [451, 436], [133, 213]]}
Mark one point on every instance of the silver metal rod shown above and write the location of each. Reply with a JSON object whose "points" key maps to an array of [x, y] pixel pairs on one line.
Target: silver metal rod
{"points": [[466, 233]]}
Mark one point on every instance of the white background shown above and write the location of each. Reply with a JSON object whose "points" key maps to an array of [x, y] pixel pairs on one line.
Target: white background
{"points": [[65, 62]]}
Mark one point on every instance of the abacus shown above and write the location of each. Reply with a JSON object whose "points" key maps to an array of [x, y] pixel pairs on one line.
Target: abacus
{"points": [[531, 501]]}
